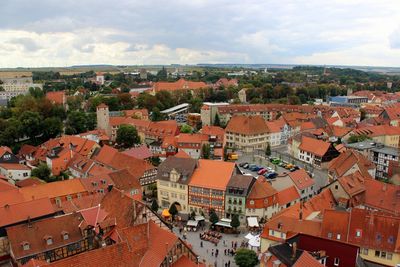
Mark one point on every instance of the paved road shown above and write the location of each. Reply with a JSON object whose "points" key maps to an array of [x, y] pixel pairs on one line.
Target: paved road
{"points": [[206, 251], [320, 176]]}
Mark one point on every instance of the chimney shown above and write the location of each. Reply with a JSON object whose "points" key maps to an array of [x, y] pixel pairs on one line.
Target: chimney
{"points": [[294, 249], [301, 215]]}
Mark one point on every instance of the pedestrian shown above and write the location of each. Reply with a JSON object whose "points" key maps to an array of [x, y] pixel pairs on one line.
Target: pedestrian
{"points": [[229, 263], [217, 252], [212, 252], [232, 244], [224, 243], [225, 252], [215, 264], [201, 244]]}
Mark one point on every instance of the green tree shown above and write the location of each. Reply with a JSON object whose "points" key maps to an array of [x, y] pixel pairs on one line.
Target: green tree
{"points": [[268, 150], [217, 121], [76, 122], [36, 92], [162, 74], [213, 217], [31, 123], [127, 136], [246, 258], [235, 223], [205, 151], [186, 129], [156, 115], [357, 138], [52, 127], [154, 205], [42, 172], [173, 210]]}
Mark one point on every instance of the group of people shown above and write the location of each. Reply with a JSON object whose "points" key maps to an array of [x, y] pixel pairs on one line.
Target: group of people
{"points": [[211, 236]]}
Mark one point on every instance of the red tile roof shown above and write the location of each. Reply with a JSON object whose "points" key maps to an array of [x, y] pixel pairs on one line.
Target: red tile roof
{"points": [[5, 186], [335, 223], [378, 130], [181, 84], [248, 125], [212, 174], [261, 189], [301, 179], [382, 196], [288, 195], [141, 152], [353, 184], [29, 182], [314, 146], [307, 260], [160, 242], [14, 166], [14, 213], [56, 97], [54, 189], [348, 160], [124, 180], [182, 154], [35, 263], [35, 234]]}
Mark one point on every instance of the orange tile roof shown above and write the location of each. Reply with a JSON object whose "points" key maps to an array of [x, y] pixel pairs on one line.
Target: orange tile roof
{"points": [[181, 84], [353, 183], [160, 242], [141, 152], [273, 126], [34, 233], [184, 261], [54, 189], [84, 202], [248, 125], [314, 146], [14, 166], [212, 174], [5, 186], [182, 154], [288, 195], [106, 154], [307, 260], [346, 160], [14, 213], [335, 222], [29, 182], [213, 131], [261, 189], [378, 130], [185, 138], [301, 179], [57, 97], [124, 180], [382, 196]]}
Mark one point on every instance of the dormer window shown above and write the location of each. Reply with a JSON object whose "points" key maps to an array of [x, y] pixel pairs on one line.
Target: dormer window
{"points": [[103, 181], [65, 235], [49, 240], [25, 245]]}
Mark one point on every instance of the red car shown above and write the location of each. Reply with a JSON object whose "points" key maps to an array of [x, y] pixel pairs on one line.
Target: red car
{"points": [[262, 171]]}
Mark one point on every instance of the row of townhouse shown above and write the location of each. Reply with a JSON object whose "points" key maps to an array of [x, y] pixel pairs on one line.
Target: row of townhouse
{"points": [[199, 186]]}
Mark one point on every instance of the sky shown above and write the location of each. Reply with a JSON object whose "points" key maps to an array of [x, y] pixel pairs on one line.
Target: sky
{"points": [[40, 33]]}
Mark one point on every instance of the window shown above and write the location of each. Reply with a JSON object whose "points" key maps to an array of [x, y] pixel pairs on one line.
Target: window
{"points": [[389, 256], [377, 253], [26, 246], [49, 241], [329, 235], [65, 236], [365, 251], [69, 198], [338, 236], [336, 262], [358, 233], [251, 202], [383, 254]]}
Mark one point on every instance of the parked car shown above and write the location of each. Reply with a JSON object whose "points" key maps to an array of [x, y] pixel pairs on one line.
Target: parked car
{"points": [[289, 166], [270, 169], [271, 175], [276, 161], [246, 166], [254, 168], [242, 164], [262, 171]]}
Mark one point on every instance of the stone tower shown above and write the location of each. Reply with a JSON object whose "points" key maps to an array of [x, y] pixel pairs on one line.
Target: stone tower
{"points": [[103, 118]]}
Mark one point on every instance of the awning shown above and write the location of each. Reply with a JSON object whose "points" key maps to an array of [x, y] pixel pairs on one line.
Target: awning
{"points": [[224, 223], [165, 213], [199, 218], [252, 222], [255, 241], [192, 223]]}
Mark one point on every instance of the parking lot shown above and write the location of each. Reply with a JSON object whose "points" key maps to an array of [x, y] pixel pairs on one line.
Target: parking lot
{"points": [[320, 176]]}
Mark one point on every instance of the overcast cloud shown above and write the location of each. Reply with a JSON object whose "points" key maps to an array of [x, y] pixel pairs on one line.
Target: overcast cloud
{"points": [[70, 32]]}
